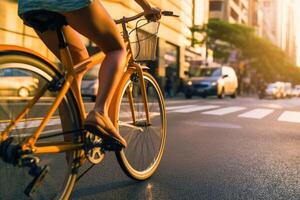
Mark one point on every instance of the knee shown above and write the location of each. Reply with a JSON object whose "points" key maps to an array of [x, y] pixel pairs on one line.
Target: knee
{"points": [[118, 55]]}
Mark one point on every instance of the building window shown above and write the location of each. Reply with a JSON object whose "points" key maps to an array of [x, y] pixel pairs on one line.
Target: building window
{"points": [[237, 2], [215, 5], [234, 14]]}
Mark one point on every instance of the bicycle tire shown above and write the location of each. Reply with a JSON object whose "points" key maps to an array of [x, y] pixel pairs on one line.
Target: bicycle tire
{"points": [[140, 165], [59, 182]]}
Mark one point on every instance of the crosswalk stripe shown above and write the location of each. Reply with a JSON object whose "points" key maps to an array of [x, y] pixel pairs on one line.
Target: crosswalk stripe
{"points": [[214, 125], [224, 111], [196, 108], [31, 124], [290, 116], [178, 107], [257, 113]]}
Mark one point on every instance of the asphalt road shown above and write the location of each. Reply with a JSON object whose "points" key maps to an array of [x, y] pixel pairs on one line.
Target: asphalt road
{"points": [[240, 148]]}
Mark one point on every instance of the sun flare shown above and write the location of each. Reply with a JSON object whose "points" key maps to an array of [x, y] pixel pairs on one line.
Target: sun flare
{"points": [[297, 24]]}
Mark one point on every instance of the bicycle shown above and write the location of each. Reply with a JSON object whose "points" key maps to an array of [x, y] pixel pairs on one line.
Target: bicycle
{"points": [[46, 132]]}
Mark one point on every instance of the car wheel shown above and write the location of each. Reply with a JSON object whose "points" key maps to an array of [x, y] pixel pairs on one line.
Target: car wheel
{"points": [[233, 96], [188, 96], [222, 95], [23, 92]]}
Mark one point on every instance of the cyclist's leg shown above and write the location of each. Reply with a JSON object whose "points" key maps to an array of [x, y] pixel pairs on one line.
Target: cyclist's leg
{"points": [[95, 23], [78, 52], [77, 49]]}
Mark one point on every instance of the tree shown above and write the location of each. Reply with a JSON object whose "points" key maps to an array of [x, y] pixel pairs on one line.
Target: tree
{"points": [[265, 57]]}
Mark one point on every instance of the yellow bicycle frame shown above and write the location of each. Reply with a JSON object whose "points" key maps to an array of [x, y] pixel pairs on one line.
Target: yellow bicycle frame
{"points": [[71, 72]]}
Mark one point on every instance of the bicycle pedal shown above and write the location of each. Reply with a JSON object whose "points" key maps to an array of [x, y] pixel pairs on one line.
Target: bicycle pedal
{"points": [[29, 161], [39, 175]]}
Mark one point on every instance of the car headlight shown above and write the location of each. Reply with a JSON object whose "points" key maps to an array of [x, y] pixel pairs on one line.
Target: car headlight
{"points": [[36, 81], [189, 83], [213, 83]]}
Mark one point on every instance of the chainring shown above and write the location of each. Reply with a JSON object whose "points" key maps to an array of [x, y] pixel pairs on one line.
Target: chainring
{"points": [[94, 152]]}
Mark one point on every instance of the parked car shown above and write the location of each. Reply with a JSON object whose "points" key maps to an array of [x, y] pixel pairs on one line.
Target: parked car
{"points": [[296, 91], [211, 81], [287, 90], [90, 83], [17, 82], [275, 90]]}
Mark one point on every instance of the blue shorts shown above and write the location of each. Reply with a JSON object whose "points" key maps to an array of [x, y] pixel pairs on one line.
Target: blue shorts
{"points": [[51, 5]]}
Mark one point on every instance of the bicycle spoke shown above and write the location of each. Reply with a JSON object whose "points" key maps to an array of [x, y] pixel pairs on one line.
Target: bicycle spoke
{"points": [[14, 180]]}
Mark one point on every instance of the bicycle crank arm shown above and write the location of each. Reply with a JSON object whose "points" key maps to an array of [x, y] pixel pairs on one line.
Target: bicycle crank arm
{"points": [[39, 175]]}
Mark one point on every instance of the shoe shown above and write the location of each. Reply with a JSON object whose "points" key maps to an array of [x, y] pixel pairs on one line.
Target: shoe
{"points": [[101, 125]]}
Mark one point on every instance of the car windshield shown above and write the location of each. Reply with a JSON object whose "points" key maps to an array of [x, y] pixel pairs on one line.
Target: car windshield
{"points": [[12, 72], [205, 72]]}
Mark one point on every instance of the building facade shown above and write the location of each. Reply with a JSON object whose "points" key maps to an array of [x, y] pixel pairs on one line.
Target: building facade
{"points": [[175, 53], [233, 11], [255, 16], [279, 24]]}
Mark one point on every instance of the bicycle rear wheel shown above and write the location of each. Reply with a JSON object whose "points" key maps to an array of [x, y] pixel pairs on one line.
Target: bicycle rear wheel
{"points": [[146, 143], [27, 74]]}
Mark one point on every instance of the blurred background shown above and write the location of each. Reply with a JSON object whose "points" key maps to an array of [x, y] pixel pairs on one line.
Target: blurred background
{"points": [[258, 39]]}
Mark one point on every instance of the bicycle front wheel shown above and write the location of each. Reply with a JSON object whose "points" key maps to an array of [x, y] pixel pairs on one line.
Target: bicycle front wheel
{"points": [[21, 77], [146, 142]]}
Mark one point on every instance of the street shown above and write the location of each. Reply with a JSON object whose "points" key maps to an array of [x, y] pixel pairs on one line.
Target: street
{"points": [[230, 73], [241, 148]]}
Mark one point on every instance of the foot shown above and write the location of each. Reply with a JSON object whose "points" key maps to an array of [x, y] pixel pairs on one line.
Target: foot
{"points": [[101, 125]]}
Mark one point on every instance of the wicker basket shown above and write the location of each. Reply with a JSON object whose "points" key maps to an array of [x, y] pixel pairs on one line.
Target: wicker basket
{"points": [[143, 40]]}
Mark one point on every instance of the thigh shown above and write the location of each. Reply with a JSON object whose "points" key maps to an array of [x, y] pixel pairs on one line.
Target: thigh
{"points": [[96, 24], [77, 48]]}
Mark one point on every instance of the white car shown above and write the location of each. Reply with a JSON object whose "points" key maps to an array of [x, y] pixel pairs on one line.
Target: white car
{"points": [[275, 90], [17, 83], [296, 91], [287, 90], [210, 81]]}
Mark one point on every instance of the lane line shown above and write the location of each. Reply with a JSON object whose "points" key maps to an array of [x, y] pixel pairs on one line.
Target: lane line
{"points": [[196, 108], [214, 125], [258, 113], [178, 107], [290, 116], [224, 111], [30, 124]]}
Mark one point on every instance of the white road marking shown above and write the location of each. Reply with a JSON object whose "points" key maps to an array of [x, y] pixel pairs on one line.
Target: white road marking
{"points": [[178, 107], [31, 124], [290, 116], [214, 125], [129, 115], [224, 111], [195, 108], [257, 113]]}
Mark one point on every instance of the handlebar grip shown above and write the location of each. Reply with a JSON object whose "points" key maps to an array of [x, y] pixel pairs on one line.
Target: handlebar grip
{"points": [[169, 13]]}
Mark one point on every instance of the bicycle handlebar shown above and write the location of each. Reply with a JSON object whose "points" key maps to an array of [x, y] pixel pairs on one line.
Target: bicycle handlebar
{"points": [[129, 19]]}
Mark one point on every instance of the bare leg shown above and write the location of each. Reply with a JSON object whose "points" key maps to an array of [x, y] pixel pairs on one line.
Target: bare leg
{"points": [[77, 49], [95, 23]]}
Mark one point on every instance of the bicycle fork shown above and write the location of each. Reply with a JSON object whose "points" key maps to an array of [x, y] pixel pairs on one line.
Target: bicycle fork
{"points": [[140, 73]]}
